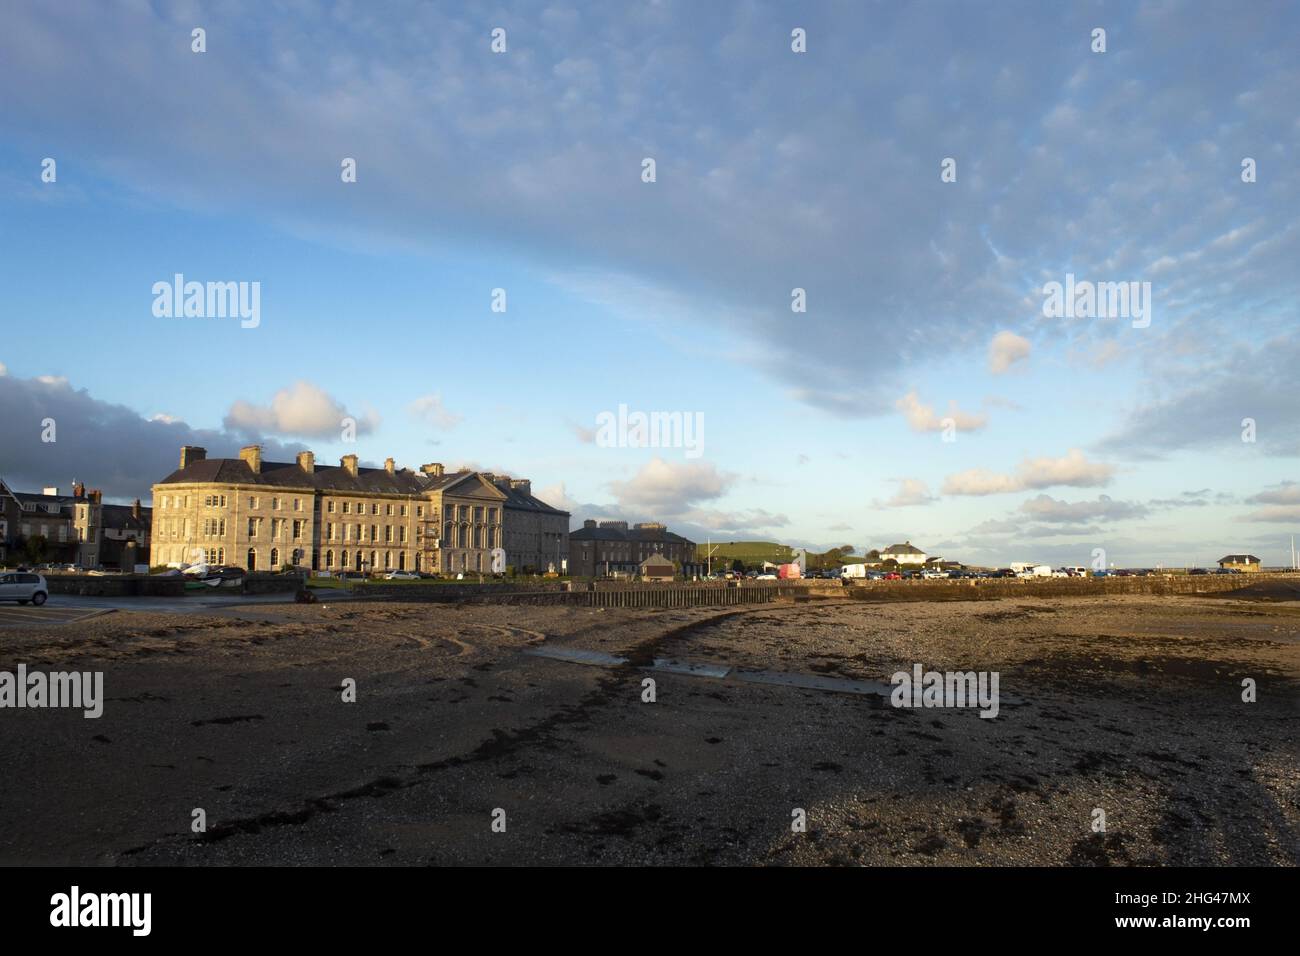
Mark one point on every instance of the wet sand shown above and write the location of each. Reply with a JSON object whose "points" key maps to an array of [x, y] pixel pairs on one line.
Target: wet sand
{"points": [[1131, 705]]}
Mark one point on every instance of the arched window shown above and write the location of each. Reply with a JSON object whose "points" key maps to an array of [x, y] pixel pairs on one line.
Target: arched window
{"points": [[388, 560], [275, 559], [329, 559], [251, 561], [401, 560], [344, 562]]}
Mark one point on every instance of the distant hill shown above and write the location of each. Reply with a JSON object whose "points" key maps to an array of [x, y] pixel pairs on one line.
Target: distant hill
{"points": [[751, 552]]}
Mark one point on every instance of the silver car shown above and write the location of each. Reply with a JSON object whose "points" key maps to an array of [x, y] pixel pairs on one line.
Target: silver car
{"points": [[23, 587]]}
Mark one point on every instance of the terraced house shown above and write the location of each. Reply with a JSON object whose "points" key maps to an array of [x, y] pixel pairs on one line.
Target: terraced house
{"points": [[264, 515]]}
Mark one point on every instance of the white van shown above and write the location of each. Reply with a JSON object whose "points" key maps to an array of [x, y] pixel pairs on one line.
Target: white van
{"points": [[23, 587]]}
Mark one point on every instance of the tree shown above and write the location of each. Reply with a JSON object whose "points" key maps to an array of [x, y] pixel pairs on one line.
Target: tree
{"points": [[35, 548]]}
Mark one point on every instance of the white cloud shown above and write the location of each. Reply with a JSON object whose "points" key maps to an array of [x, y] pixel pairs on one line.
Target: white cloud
{"points": [[671, 487], [911, 491], [303, 410], [1073, 469], [430, 410], [922, 417], [1105, 508], [1006, 350]]}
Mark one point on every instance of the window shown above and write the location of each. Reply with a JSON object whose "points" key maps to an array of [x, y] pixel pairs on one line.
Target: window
{"points": [[419, 511], [297, 530], [347, 509], [344, 562], [388, 534], [449, 513], [388, 560], [275, 504], [374, 507], [252, 503], [329, 559], [478, 514], [388, 511], [297, 504], [401, 534], [374, 532], [360, 536], [252, 527], [464, 512], [330, 507], [403, 511]]}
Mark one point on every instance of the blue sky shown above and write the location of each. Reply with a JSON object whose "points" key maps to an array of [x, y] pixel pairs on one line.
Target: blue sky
{"points": [[775, 170]]}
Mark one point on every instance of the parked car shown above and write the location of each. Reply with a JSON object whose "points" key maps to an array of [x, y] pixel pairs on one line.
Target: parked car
{"points": [[765, 577], [893, 576], [401, 576], [23, 587]]}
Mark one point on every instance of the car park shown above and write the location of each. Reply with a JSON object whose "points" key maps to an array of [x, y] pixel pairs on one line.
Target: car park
{"points": [[23, 587]]}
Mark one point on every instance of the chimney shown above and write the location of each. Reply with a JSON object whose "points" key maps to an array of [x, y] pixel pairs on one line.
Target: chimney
{"points": [[433, 469], [78, 490], [192, 453], [96, 496], [524, 485], [390, 466], [135, 510], [349, 464], [589, 523], [501, 481], [307, 461], [253, 455]]}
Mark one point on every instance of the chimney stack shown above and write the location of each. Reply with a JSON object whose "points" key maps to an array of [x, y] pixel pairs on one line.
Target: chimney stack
{"points": [[191, 454], [524, 485], [390, 466], [307, 461], [433, 469], [589, 523], [252, 454], [349, 464], [78, 490], [135, 510]]}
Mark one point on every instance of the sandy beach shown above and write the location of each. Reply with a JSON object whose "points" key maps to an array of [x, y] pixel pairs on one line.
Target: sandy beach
{"points": [[1128, 705]]}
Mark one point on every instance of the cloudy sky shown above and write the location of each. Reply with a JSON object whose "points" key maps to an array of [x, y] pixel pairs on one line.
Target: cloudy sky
{"points": [[923, 394]]}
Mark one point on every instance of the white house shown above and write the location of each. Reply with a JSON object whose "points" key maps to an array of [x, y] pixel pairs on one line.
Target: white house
{"points": [[903, 554]]}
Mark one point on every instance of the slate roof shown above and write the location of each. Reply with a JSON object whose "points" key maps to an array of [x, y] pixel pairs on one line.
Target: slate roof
{"points": [[516, 499], [120, 518], [1239, 559], [333, 478], [626, 534], [907, 548]]}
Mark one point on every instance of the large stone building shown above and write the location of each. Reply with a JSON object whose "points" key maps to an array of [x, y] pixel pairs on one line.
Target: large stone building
{"points": [[610, 547], [73, 529], [264, 515], [536, 534]]}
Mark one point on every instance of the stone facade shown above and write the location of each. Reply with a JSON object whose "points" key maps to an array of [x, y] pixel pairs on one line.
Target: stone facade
{"points": [[610, 547], [536, 534], [73, 527], [263, 515]]}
